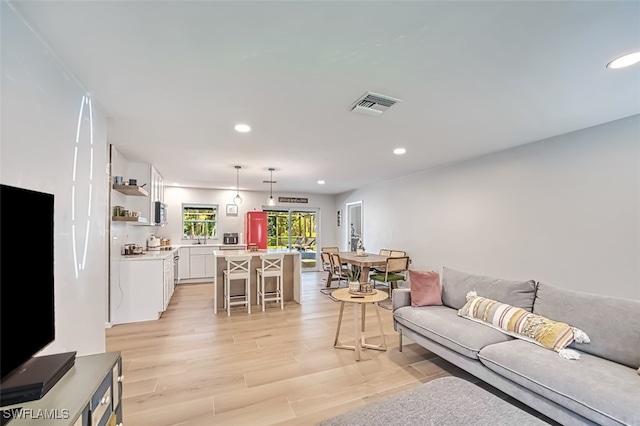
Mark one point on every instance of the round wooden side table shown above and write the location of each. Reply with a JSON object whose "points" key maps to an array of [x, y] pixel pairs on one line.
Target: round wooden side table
{"points": [[359, 303]]}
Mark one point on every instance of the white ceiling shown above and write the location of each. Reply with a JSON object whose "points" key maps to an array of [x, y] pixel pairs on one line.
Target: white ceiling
{"points": [[474, 77]]}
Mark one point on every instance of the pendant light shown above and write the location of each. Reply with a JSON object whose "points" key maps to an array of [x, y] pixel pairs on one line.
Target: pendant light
{"points": [[271, 201], [237, 199]]}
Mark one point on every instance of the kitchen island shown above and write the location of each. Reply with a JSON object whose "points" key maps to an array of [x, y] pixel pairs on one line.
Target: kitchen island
{"points": [[290, 280]]}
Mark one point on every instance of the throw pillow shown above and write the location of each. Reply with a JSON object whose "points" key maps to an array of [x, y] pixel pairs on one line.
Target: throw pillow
{"points": [[425, 288], [524, 325]]}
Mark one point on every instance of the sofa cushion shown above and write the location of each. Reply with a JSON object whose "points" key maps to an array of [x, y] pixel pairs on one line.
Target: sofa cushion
{"points": [[425, 288], [456, 285], [522, 324], [600, 390], [613, 324], [443, 325]]}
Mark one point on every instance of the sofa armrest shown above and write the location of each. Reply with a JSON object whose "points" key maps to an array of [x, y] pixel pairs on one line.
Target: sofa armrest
{"points": [[401, 297]]}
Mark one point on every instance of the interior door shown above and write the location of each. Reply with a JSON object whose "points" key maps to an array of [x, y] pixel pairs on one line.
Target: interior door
{"points": [[355, 230]]}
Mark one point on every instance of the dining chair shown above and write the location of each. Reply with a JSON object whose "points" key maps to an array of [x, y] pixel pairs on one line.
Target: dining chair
{"points": [[237, 269], [395, 270], [339, 269], [327, 267], [385, 252], [271, 268], [330, 249]]}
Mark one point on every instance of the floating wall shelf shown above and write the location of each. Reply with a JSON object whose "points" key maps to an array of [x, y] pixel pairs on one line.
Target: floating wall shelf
{"points": [[137, 191], [129, 219]]}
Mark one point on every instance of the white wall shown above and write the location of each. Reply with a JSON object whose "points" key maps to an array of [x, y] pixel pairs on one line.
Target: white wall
{"points": [[174, 197], [565, 211], [40, 109]]}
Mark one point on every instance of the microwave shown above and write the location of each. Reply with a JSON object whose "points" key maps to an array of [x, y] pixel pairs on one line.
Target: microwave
{"points": [[159, 213]]}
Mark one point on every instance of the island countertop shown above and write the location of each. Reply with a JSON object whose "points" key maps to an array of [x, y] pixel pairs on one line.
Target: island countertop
{"points": [[219, 253]]}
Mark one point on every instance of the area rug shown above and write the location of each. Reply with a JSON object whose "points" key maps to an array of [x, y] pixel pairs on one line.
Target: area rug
{"points": [[444, 401]]}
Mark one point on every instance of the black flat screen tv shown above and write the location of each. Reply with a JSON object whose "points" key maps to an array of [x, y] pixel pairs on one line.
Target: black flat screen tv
{"points": [[27, 305], [27, 316]]}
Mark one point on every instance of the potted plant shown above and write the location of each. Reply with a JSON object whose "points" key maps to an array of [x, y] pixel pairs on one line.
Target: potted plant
{"points": [[354, 279]]}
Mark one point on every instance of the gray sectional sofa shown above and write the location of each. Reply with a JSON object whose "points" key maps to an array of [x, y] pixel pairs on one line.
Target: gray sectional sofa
{"points": [[602, 387]]}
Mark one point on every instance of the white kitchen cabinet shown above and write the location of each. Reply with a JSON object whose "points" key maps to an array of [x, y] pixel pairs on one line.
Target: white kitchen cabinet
{"points": [[137, 293], [168, 282], [184, 267], [201, 262]]}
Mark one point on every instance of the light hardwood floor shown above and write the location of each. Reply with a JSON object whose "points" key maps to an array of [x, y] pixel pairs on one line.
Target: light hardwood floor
{"points": [[278, 367]]}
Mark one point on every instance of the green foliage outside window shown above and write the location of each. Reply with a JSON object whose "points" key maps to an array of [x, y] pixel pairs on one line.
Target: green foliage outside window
{"points": [[199, 221], [303, 227]]}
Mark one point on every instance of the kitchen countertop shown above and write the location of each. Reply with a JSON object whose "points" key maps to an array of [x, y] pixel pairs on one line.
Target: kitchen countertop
{"points": [[212, 245], [148, 255], [221, 253]]}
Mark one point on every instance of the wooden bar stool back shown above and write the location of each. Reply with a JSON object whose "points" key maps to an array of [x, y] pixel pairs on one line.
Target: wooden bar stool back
{"points": [[237, 269], [272, 266]]}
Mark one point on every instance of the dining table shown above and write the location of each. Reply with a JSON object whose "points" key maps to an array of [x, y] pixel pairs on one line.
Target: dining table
{"points": [[365, 261]]}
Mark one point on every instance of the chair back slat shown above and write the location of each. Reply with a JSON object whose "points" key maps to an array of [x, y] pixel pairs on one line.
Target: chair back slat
{"points": [[385, 252], [238, 265], [397, 253], [272, 262], [326, 261], [397, 264], [329, 249], [336, 265]]}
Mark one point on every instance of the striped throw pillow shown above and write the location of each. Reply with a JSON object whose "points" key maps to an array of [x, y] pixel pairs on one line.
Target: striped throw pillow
{"points": [[523, 324]]}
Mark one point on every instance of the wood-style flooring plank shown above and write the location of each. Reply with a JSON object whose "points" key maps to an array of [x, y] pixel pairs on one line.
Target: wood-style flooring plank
{"points": [[278, 367]]}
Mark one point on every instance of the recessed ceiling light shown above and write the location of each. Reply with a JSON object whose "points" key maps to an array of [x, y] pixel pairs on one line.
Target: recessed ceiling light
{"points": [[625, 60], [242, 128], [320, 182], [399, 151]]}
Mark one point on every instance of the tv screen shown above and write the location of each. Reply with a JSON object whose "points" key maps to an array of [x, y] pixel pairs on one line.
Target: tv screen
{"points": [[26, 275]]}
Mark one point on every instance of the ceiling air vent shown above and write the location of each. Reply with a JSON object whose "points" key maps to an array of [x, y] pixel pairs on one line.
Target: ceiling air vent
{"points": [[373, 104]]}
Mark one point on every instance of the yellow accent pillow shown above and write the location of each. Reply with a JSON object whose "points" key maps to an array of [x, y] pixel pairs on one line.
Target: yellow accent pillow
{"points": [[523, 324]]}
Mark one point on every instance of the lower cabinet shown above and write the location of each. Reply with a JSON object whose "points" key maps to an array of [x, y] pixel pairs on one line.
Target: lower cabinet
{"points": [[169, 283], [140, 289], [89, 394], [137, 294], [184, 270], [201, 262]]}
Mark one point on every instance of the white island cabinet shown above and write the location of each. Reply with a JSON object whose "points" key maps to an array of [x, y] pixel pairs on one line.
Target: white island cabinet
{"points": [[141, 287], [197, 262]]}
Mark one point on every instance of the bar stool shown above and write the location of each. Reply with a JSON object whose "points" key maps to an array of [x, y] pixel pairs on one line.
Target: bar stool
{"points": [[237, 269], [271, 268]]}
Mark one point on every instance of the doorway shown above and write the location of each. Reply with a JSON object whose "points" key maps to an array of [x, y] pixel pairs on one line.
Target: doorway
{"points": [[355, 230], [295, 229]]}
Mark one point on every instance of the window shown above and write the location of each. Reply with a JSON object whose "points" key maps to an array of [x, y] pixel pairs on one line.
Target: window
{"points": [[199, 221]]}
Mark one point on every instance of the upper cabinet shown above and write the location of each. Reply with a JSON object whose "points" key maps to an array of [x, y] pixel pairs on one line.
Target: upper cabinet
{"points": [[157, 185]]}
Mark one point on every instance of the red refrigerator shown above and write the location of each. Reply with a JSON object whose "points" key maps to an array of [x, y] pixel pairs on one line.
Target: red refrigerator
{"points": [[256, 229]]}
